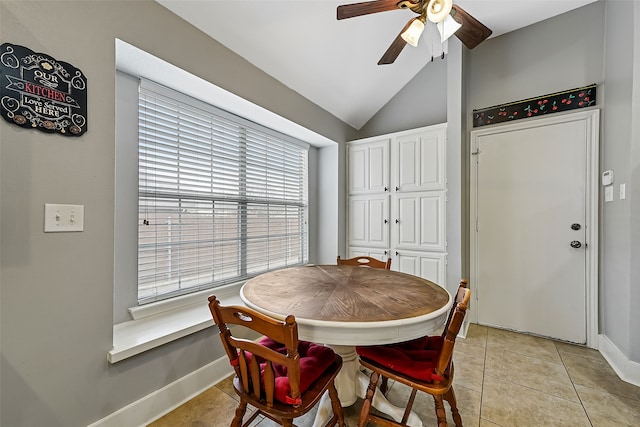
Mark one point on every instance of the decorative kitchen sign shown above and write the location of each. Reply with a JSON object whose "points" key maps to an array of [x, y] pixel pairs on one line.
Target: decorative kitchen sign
{"points": [[552, 103], [40, 92]]}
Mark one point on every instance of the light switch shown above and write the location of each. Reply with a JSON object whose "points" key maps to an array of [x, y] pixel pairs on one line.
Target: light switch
{"points": [[608, 193], [623, 192], [62, 218]]}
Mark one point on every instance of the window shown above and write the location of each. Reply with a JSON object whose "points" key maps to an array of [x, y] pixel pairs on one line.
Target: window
{"points": [[220, 198]]}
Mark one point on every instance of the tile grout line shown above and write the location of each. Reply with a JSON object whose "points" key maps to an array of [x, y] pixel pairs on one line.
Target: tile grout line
{"points": [[484, 368], [573, 384]]}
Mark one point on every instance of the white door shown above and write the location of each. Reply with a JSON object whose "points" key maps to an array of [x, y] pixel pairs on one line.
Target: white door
{"points": [[532, 234]]}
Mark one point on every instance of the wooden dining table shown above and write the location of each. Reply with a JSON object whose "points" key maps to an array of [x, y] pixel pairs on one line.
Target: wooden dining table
{"points": [[345, 306]]}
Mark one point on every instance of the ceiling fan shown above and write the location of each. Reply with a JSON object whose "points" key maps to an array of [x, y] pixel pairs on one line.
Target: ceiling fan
{"points": [[450, 19]]}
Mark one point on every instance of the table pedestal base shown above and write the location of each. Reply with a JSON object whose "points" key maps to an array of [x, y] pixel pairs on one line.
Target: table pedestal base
{"points": [[351, 384]]}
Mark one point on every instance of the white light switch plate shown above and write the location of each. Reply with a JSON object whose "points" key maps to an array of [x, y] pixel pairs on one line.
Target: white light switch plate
{"points": [[608, 193], [62, 218]]}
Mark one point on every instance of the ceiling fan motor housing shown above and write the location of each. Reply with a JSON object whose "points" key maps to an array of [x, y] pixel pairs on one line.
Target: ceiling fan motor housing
{"points": [[438, 10]]}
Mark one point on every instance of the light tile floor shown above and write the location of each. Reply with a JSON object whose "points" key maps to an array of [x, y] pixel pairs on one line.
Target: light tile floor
{"points": [[502, 379]]}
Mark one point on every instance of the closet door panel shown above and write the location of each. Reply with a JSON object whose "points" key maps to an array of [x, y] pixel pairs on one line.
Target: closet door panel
{"points": [[368, 167], [368, 221], [420, 159], [420, 220]]}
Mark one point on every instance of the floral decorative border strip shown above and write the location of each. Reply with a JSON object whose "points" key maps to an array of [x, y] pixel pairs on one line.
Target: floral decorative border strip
{"points": [[553, 103]]}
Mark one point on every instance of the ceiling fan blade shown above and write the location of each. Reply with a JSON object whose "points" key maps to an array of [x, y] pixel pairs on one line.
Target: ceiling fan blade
{"points": [[365, 8], [396, 47], [472, 32]]}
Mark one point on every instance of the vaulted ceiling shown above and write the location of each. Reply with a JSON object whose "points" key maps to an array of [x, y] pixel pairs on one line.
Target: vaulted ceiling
{"points": [[334, 63]]}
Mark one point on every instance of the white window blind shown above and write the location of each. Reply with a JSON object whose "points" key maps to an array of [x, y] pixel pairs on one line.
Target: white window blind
{"points": [[221, 199]]}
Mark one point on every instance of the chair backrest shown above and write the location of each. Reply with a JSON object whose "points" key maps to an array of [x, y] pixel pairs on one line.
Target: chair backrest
{"points": [[452, 327], [365, 261], [246, 356]]}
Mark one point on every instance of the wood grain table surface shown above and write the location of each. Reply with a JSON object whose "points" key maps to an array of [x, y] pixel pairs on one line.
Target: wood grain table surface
{"points": [[344, 294]]}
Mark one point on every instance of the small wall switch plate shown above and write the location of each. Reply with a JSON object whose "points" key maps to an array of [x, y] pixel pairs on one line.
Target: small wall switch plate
{"points": [[608, 193], [63, 218], [623, 192]]}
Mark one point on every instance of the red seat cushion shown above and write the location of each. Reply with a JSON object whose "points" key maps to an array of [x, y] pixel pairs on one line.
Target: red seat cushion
{"points": [[416, 358], [314, 360]]}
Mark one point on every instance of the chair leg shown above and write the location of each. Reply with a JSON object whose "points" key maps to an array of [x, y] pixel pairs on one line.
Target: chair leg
{"points": [[336, 405], [366, 405], [240, 410], [384, 385], [287, 422], [450, 396], [440, 413], [407, 409]]}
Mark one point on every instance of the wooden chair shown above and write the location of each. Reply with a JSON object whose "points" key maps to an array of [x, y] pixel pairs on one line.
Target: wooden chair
{"points": [[282, 377], [424, 364], [365, 261]]}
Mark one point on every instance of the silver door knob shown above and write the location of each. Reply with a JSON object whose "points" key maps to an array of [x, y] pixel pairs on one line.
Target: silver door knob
{"points": [[576, 244]]}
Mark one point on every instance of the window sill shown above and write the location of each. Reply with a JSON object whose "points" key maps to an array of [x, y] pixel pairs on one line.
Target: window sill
{"points": [[160, 323]]}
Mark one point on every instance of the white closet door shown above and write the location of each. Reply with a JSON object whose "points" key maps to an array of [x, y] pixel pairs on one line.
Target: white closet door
{"points": [[421, 161], [368, 167], [420, 220], [369, 221], [428, 265]]}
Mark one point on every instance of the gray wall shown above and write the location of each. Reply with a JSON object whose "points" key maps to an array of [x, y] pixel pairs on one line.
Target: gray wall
{"points": [[634, 180], [422, 102], [620, 249], [57, 289]]}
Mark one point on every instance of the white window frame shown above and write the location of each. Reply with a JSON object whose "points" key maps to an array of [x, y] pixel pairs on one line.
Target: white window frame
{"points": [[161, 322]]}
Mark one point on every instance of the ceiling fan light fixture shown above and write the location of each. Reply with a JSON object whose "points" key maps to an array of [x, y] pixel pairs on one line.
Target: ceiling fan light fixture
{"points": [[447, 27], [413, 33], [438, 10]]}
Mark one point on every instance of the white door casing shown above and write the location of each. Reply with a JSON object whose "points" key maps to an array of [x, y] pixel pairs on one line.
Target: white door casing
{"points": [[530, 182]]}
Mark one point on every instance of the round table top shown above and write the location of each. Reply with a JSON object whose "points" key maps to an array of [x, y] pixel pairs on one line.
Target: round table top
{"points": [[348, 305]]}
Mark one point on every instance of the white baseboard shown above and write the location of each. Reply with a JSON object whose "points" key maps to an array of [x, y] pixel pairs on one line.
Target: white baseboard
{"points": [[160, 402], [626, 369], [464, 329]]}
